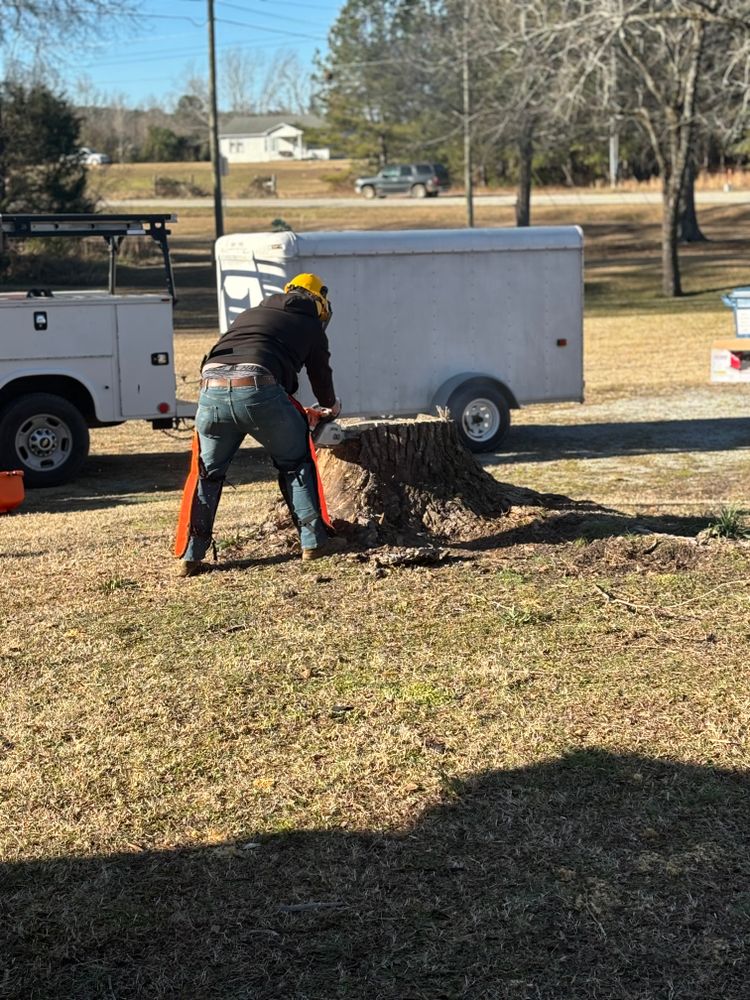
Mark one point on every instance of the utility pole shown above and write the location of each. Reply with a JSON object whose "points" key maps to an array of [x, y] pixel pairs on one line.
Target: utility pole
{"points": [[467, 120], [213, 124]]}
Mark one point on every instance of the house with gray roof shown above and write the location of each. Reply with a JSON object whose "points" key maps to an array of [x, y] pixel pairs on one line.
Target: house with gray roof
{"points": [[263, 138]]}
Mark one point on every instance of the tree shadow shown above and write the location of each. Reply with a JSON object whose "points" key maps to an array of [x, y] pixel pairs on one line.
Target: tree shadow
{"points": [[592, 876], [229, 563], [112, 480], [560, 527], [553, 442]]}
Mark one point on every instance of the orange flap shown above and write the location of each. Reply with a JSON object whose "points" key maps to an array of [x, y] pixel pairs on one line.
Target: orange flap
{"points": [[186, 505]]}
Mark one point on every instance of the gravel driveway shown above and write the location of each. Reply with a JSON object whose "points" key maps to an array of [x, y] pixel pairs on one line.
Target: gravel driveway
{"points": [[687, 448]]}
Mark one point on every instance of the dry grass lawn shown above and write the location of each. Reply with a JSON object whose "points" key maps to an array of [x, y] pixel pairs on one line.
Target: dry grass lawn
{"points": [[295, 179], [519, 776]]}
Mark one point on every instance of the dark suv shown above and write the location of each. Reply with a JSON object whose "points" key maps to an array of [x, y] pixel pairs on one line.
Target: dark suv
{"points": [[420, 180]]}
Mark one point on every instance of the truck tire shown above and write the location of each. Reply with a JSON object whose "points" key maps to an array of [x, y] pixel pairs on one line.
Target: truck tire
{"points": [[418, 191], [481, 413], [45, 436], [368, 191]]}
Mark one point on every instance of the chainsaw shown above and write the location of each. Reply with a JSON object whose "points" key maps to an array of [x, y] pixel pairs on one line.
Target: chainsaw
{"points": [[326, 432]]}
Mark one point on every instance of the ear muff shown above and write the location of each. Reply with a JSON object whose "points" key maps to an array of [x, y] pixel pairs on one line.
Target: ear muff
{"points": [[325, 308]]}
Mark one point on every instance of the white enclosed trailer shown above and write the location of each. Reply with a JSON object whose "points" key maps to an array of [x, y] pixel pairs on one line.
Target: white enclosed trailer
{"points": [[74, 360], [477, 321]]}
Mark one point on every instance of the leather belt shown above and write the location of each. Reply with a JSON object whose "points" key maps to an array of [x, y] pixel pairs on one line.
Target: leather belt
{"points": [[221, 382]]}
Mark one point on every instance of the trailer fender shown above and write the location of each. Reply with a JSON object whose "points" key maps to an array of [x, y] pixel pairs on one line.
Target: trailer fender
{"points": [[447, 389], [480, 404]]}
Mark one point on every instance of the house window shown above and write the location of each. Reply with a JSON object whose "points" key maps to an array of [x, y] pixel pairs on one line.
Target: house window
{"points": [[236, 147]]}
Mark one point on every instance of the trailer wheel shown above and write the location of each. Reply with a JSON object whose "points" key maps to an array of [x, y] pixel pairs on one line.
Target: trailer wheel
{"points": [[368, 191], [45, 436], [481, 413], [418, 191]]}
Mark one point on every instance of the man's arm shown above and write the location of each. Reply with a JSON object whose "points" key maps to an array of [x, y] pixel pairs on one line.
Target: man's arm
{"points": [[319, 372]]}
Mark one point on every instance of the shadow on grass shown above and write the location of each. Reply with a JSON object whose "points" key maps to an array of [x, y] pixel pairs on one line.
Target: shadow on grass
{"points": [[561, 527], [555, 442], [592, 876], [229, 563], [110, 480]]}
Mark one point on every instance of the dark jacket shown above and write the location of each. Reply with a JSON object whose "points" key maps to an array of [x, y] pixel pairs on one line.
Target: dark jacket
{"points": [[282, 334]]}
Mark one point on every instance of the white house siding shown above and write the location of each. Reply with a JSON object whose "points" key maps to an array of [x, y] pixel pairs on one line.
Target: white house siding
{"points": [[282, 143], [243, 148]]}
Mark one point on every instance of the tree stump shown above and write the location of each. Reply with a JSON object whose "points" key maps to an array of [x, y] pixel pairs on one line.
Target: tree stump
{"points": [[407, 482]]}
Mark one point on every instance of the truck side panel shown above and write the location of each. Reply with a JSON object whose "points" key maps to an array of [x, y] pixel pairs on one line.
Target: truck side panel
{"points": [[47, 338], [55, 328], [146, 359]]}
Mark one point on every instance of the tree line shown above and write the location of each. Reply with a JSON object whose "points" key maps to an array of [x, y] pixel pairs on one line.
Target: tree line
{"points": [[533, 90], [545, 89]]}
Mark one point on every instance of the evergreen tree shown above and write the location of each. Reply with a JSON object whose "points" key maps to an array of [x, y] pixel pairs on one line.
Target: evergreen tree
{"points": [[40, 169], [369, 84]]}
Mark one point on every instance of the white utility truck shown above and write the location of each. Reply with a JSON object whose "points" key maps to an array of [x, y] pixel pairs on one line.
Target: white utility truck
{"points": [[474, 321], [74, 360]]}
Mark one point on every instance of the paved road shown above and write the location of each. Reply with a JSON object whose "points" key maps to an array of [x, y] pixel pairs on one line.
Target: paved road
{"points": [[415, 204]]}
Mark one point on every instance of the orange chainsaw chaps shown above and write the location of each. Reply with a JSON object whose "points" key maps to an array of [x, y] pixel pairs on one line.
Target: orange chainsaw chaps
{"points": [[321, 493], [314, 458], [186, 506]]}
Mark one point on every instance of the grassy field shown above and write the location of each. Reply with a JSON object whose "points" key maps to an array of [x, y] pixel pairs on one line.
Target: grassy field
{"points": [[296, 179], [519, 776]]}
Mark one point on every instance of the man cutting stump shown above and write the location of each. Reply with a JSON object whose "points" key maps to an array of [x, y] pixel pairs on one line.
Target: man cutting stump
{"points": [[248, 379]]}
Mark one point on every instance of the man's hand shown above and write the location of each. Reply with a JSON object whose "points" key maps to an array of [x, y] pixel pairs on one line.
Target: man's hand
{"points": [[322, 414]]}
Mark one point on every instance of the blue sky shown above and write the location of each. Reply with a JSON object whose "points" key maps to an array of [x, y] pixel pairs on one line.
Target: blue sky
{"points": [[170, 40]]}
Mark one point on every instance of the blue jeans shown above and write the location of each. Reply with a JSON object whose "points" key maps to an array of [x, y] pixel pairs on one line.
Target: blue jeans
{"points": [[224, 417]]}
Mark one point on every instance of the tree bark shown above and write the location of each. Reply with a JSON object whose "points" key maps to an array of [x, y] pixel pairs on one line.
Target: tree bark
{"points": [[689, 230], [671, 282], [523, 200]]}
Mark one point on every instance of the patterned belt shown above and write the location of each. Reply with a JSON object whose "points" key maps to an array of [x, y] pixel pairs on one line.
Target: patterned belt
{"points": [[221, 382]]}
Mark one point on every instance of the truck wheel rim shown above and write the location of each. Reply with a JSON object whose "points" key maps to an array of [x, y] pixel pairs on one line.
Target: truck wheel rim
{"points": [[480, 420], [43, 442]]}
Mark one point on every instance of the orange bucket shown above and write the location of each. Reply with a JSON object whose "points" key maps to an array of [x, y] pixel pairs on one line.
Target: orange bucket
{"points": [[11, 490]]}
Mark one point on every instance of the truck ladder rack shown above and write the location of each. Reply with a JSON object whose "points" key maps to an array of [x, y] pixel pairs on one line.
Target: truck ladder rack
{"points": [[112, 228]]}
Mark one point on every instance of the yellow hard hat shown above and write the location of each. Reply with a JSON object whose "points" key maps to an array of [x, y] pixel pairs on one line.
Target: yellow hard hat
{"points": [[312, 284]]}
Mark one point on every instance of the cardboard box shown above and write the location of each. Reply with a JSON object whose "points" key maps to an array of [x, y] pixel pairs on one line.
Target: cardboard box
{"points": [[730, 360]]}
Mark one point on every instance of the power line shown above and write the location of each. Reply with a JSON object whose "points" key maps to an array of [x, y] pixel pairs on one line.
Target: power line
{"points": [[261, 13], [279, 3], [184, 53], [276, 31]]}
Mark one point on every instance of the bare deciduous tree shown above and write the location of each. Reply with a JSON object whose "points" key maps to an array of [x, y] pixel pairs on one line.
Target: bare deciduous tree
{"points": [[528, 60], [287, 85], [661, 50], [239, 71]]}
